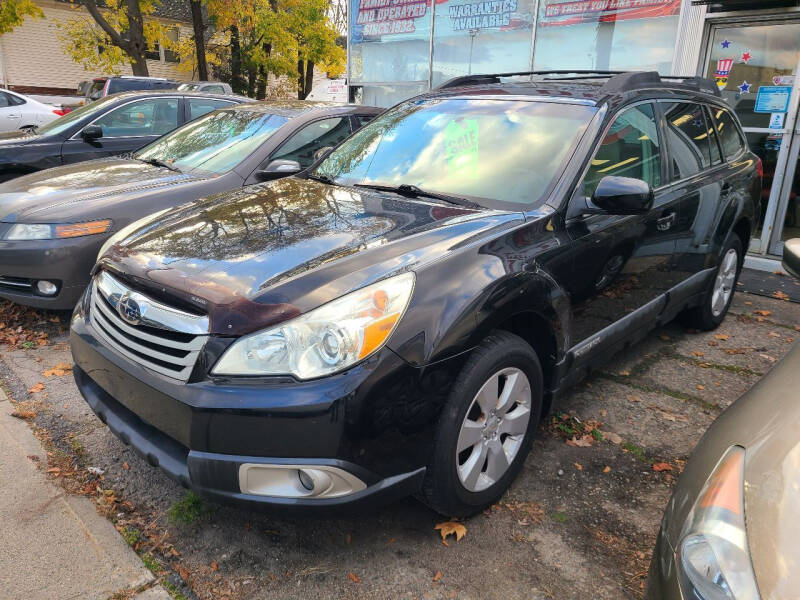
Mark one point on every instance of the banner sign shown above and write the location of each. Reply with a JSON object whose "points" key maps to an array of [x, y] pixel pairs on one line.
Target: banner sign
{"points": [[389, 17], [561, 12], [491, 14]]}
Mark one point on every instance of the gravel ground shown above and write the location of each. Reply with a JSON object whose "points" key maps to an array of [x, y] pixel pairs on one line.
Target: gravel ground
{"points": [[579, 522]]}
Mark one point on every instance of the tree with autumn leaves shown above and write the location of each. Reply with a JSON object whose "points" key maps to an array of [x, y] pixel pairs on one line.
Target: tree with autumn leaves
{"points": [[13, 13], [240, 41]]}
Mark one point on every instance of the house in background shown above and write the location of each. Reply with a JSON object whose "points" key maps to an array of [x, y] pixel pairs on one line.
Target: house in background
{"points": [[33, 61]]}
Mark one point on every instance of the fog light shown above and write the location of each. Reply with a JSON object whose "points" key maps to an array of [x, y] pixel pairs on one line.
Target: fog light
{"points": [[46, 288], [297, 481]]}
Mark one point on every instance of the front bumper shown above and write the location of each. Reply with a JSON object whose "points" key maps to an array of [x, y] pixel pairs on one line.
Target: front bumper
{"points": [[662, 578], [201, 433], [67, 262]]}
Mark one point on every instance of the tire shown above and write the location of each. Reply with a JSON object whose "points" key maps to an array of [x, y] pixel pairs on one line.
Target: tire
{"points": [[451, 486], [717, 300]]}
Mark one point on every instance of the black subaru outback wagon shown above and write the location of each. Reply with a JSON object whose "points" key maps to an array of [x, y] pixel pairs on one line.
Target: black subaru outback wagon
{"points": [[397, 319]]}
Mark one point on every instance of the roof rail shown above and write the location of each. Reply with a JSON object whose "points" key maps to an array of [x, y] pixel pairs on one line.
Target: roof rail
{"points": [[495, 77], [618, 81]]}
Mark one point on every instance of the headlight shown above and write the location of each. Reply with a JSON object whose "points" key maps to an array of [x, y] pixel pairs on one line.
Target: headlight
{"points": [[46, 231], [325, 340], [713, 556]]}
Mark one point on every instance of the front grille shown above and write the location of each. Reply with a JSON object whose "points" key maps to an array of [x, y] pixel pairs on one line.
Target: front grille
{"points": [[146, 332], [16, 284]]}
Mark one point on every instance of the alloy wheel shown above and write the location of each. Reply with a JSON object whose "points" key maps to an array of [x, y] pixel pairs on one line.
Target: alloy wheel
{"points": [[726, 279], [493, 429]]}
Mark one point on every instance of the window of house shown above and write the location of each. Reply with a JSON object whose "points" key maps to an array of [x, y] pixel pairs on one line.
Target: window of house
{"points": [[153, 52], [631, 148], [688, 138], [171, 56]]}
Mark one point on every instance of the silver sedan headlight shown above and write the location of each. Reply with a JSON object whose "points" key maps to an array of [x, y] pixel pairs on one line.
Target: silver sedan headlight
{"points": [[713, 556], [325, 340]]}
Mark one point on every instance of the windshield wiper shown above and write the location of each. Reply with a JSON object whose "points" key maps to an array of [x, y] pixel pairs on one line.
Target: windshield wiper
{"points": [[322, 177], [412, 191], [160, 163]]}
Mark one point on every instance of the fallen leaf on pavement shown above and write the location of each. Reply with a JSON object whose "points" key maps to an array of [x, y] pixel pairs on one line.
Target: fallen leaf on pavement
{"points": [[581, 442], [578, 466], [665, 338], [774, 334], [59, 370], [451, 528], [659, 467], [713, 343], [700, 386], [24, 414], [762, 313], [633, 398], [721, 336], [607, 469], [353, 577], [624, 373], [696, 353], [214, 566], [438, 576], [781, 295], [612, 437], [38, 387], [126, 466]]}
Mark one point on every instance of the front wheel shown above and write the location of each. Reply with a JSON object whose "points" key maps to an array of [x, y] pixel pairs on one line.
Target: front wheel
{"points": [[486, 427], [710, 314]]}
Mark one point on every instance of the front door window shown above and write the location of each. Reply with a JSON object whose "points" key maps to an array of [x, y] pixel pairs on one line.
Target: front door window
{"points": [[756, 68]]}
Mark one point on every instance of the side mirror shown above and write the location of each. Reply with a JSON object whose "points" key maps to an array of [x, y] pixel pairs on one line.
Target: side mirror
{"points": [[278, 168], [91, 132], [322, 152], [623, 196], [791, 257]]}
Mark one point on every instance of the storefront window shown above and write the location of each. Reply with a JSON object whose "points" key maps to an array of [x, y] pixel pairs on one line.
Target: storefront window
{"points": [[607, 35], [475, 36], [389, 41]]}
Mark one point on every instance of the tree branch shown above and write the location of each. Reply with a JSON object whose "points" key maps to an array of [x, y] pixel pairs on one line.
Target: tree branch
{"points": [[116, 38]]}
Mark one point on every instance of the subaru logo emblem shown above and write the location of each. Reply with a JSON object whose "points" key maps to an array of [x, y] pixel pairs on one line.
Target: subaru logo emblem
{"points": [[129, 310]]}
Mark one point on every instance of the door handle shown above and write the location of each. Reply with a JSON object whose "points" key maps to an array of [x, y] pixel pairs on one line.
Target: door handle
{"points": [[667, 221], [13, 116]]}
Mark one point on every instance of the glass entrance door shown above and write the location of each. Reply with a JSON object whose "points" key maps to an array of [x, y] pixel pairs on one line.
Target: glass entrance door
{"points": [[756, 65]]}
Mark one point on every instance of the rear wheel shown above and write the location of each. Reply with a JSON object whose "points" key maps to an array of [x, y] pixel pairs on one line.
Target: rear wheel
{"points": [[486, 427], [720, 292]]}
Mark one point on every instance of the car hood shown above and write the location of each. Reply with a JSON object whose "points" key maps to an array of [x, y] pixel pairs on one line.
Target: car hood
{"points": [[255, 257], [772, 479], [71, 192], [766, 422]]}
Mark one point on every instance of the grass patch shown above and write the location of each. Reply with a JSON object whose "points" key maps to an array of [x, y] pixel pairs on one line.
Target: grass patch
{"points": [[28, 345], [151, 563], [560, 517], [131, 535], [76, 446], [173, 590], [189, 509], [638, 452]]}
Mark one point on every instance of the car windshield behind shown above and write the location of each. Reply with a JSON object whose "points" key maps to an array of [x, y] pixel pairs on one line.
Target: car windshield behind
{"points": [[61, 124], [495, 152], [188, 87], [216, 142]]}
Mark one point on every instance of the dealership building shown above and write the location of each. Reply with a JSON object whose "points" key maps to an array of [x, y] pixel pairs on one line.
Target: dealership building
{"points": [[400, 48]]}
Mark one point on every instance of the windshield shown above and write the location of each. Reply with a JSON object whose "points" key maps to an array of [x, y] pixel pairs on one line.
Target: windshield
{"points": [[502, 152], [216, 142], [61, 124]]}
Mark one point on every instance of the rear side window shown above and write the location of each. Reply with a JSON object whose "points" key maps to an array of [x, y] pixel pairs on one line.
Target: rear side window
{"points": [[201, 106], [362, 120], [729, 137], [716, 155], [631, 148], [688, 138], [15, 100]]}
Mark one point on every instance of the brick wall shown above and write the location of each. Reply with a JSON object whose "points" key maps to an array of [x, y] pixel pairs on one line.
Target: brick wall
{"points": [[33, 61]]}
